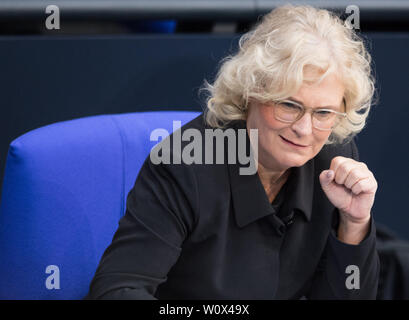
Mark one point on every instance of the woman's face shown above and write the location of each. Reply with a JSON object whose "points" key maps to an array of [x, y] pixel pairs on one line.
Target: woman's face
{"points": [[274, 152]]}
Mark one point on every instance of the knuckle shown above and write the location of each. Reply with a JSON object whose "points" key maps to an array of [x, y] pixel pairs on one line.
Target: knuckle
{"points": [[355, 174], [342, 169], [356, 188], [376, 184], [346, 168], [363, 164], [333, 162], [337, 160]]}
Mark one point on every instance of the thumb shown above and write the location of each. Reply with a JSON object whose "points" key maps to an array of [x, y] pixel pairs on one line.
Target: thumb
{"points": [[326, 177]]}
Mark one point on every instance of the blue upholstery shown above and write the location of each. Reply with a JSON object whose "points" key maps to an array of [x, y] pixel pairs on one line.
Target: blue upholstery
{"points": [[64, 191]]}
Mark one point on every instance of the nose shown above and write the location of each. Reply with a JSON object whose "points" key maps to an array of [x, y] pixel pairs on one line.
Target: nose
{"points": [[303, 126]]}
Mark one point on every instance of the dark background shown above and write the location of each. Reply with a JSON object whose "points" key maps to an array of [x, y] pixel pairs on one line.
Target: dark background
{"points": [[103, 62]]}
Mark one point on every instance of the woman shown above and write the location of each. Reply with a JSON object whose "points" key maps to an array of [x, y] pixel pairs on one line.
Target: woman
{"points": [[301, 226]]}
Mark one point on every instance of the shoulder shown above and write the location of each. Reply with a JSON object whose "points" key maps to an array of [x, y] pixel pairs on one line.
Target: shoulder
{"points": [[197, 123], [182, 159]]}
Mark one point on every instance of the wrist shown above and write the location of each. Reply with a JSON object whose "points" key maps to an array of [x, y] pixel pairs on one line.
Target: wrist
{"points": [[352, 232]]}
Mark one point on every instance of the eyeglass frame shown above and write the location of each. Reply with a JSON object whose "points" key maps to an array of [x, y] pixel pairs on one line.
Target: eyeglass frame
{"points": [[304, 110]]}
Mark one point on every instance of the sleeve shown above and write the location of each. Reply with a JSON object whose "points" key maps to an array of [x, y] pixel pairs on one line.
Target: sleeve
{"points": [[347, 271], [159, 215]]}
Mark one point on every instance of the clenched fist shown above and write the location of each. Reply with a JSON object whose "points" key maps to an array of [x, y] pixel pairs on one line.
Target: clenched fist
{"points": [[350, 186]]}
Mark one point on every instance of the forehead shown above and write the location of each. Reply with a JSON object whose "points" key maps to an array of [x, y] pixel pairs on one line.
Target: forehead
{"points": [[327, 93], [333, 107]]}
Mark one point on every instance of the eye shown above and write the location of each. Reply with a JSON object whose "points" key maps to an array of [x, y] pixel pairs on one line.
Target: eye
{"points": [[323, 112], [290, 106]]}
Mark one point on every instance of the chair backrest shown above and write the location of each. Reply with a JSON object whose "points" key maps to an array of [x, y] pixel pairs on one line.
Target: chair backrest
{"points": [[64, 191]]}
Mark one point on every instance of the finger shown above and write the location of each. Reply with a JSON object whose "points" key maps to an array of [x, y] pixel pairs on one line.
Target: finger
{"points": [[337, 162], [326, 177], [367, 185], [343, 171], [356, 174]]}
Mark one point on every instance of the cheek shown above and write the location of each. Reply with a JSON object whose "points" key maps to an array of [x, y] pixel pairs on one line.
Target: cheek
{"points": [[319, 141], [269, 129], [266, 113]]}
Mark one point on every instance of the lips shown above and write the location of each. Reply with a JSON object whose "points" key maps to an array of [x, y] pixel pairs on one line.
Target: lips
{"points": [[300, 145]]}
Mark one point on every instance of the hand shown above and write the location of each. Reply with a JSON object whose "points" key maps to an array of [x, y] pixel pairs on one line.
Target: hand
{"points": [[351, 188]]}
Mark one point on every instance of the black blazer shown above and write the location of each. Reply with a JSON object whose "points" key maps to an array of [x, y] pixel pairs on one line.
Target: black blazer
{"points": [[203, 231]]}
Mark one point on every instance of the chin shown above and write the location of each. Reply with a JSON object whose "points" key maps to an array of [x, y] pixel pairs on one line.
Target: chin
{"points": [[294, 161], [283, 159]]}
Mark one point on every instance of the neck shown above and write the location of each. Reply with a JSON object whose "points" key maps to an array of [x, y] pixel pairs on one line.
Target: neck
{"points": [[271, 176], [272, 180]]}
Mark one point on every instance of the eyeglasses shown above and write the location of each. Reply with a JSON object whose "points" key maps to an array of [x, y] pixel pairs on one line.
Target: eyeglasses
{"points": [[322, 119]]}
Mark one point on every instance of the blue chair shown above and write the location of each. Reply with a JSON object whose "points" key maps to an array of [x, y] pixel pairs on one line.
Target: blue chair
{"points": [[64, 191]]}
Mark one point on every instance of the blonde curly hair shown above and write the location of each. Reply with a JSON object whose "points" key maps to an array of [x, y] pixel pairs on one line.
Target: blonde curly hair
{"points": [[271, 62]]}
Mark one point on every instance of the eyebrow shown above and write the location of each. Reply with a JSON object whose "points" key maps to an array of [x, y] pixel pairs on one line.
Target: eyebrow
{"points": [[326, 107]]}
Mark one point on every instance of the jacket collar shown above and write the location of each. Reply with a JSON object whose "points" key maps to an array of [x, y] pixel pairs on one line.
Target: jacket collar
{"points": [[250, 200]]}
